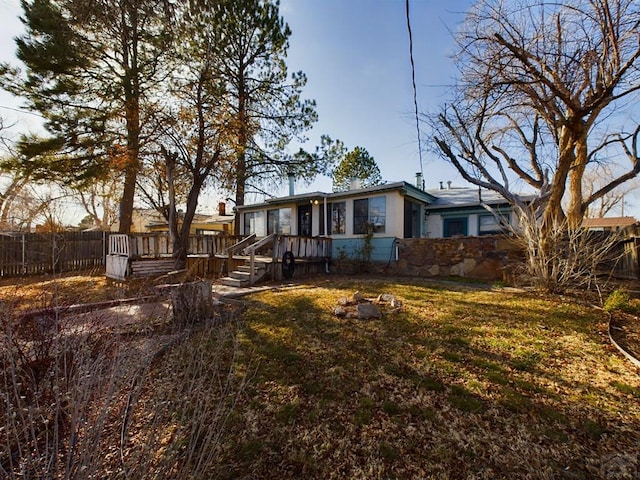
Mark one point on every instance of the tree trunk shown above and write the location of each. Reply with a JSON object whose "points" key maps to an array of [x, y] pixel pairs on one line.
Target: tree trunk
{"points": [[241, 159], [129, 44], [576, 207], [240, 191]]}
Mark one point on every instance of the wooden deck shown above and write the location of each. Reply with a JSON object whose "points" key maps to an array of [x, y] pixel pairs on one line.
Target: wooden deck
{"points": [[214, 256]]}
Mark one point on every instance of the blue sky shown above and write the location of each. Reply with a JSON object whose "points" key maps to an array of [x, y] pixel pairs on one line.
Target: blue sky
{"points": [[355, 54]]}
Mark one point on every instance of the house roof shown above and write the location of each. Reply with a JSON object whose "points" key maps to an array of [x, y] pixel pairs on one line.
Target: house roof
{"points": [[608, 222], [403, 187], [464, 197], [200, 219]]}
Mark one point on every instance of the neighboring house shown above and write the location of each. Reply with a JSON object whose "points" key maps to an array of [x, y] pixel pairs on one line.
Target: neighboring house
{"points": [[626, 225], [387, 212], [150, 220]]}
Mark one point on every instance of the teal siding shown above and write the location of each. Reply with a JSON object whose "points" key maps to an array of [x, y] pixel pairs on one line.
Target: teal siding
{"points": [[382, 248]]}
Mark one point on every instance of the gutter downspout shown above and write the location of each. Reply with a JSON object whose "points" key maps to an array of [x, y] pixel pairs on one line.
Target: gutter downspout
{"points": [[326, 232]]}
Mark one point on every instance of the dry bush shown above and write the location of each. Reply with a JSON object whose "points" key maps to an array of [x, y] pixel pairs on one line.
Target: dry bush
{"points": [[177, 410], [559, 258], [81, 401], [58, 379]]}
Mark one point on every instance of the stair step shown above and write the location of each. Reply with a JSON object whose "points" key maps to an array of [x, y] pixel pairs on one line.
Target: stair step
{"points": [[240, 275], [246, 268], [234, 282]]}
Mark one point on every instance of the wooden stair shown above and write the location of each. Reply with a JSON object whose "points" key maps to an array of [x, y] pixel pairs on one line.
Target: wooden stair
{"points": [[242, 276]]}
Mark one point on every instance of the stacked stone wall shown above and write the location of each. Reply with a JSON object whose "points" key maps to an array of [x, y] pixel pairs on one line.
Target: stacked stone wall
{"points": [[484, 258]]}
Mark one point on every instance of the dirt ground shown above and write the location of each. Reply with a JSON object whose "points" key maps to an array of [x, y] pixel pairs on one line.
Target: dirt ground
{"points": [[35, 292], [625, 330]]}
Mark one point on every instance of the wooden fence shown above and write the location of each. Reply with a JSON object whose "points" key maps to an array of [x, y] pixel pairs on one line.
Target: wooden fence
{"points": [[34, 253]]}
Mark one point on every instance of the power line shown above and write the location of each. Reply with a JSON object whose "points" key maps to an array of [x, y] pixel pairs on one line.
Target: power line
{"points": [[415, 90], [27, 112]]}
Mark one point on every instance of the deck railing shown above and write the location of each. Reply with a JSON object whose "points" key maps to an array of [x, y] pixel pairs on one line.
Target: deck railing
{"points": [[158, 245], [305, 248]]}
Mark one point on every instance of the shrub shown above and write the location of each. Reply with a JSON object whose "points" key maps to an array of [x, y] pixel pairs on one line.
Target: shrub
{"points": [[618, 300]]}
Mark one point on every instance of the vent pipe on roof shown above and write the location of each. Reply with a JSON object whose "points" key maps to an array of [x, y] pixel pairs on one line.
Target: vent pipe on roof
{"points": [[449, 185], [292, 184], [441, 186]]}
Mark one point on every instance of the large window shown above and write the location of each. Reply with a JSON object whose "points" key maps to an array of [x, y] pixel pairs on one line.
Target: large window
{"points": [[279, 221], [490, 225], [338, 213], [369, 215], [453, 227], [254, 223]]}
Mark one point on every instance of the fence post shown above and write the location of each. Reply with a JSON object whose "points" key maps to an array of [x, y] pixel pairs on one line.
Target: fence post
{"points": [[24, 254]]}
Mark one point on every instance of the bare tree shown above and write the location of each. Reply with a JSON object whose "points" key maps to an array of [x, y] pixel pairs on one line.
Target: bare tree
{"points": [[544, 94], [614, 201], [195, 125], [18, 204], [100, 200]]}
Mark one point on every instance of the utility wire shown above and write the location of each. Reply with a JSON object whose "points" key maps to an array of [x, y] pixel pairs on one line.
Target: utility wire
{"points": [[415, 90], [27, 112]]}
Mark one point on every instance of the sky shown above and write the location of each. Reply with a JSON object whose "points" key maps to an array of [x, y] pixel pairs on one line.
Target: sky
{"points": [[355, 54]]}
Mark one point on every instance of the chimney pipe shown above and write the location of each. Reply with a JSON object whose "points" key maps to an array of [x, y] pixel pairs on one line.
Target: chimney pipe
{"points": [[292, 185], [222, 208], [419, 183]]}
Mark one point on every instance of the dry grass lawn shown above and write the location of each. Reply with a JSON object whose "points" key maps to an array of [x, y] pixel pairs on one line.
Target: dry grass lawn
{"points": [[458, 383]]}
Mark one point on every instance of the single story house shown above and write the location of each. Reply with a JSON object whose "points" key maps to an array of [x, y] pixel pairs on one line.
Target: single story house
{"points": [[386, 212], [149, 220], [628, 226]]}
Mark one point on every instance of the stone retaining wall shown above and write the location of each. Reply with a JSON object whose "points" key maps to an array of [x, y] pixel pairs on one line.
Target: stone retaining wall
{"points": [[485, 258]]}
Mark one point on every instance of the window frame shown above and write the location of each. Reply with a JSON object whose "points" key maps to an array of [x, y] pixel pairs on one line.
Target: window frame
{"points": [[375, 209], [339, 208], [276, 224], [448, 221], [498, 222]]}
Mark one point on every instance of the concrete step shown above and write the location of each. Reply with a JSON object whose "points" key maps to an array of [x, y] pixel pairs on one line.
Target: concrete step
{"points": [[234, 282]]}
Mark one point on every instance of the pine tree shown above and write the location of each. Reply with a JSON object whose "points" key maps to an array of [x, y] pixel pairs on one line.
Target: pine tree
{"points": [[90, 69], [356, 165]]}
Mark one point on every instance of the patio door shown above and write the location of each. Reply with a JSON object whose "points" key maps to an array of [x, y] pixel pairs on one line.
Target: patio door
{"points": [[411, 220]]}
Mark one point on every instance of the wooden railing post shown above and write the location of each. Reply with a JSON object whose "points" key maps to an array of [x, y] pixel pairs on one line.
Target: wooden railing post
{"points": [[252, 266]]}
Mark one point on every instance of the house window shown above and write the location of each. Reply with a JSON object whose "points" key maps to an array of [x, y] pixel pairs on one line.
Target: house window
{"points": [[454, 227], [338, 213], [369, 215], [279, 221], [490, 225], [254, 223]]}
